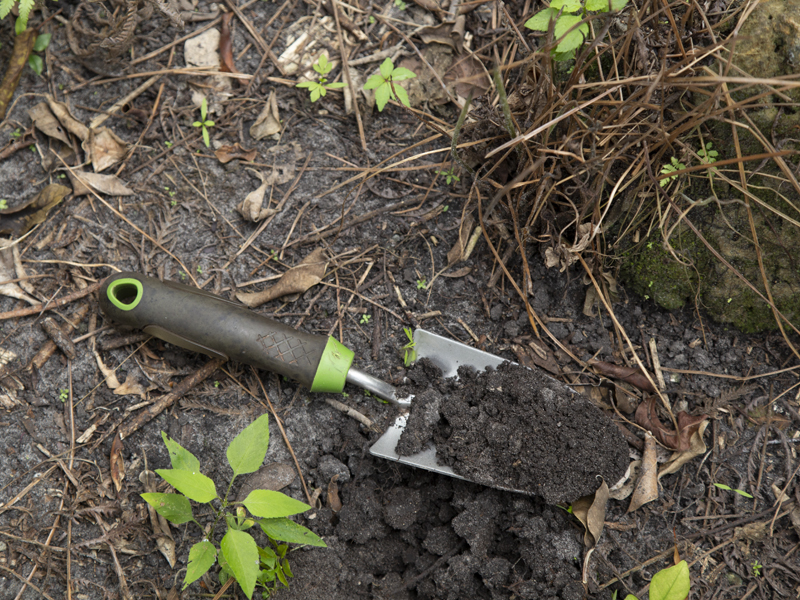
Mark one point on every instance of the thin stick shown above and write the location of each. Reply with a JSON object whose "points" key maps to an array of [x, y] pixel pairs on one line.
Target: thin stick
{"points": [[350, 412], [33, 310], [346, 69]]}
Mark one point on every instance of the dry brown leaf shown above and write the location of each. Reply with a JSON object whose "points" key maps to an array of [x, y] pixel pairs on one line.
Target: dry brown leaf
{"points": [[70, 123], [647, 417], [19, 220], [225, 45], [44, 120], [269, 121], [117, 463], [110, 185], [8, 273], [295, 281], [462, 272], [167, 547], [104, 148], [624, 487], [456, 253], [250, 208], [131, 386], [450, 34], [591, 512], [647, 486], [334, 501], [226, 154], [696, 447], [108, 374], [629, 374]]}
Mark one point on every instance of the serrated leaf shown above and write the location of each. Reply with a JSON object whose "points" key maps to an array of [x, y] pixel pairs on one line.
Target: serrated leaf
{"points": [[247, 451], [241, 554], [42, 42], [541, 20], [401, 74], [288, 531], [671, 584], [201, 559], [382, 95], [180, 457], [25, 8], [387, 66], [570, 6], [574, 38], [175, 508], [270, 505], [374, 82], [5, 8], [193, 485]]}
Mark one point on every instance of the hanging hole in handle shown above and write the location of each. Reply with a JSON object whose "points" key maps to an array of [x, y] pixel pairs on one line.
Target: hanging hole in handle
{"points": [[125, 294]]}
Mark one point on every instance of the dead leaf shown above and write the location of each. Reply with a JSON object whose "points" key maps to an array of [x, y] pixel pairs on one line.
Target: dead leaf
{"points": [[226, 154], [70, 123], [167, 547], [269, 121], [696, 447], [647, 417], [333, 495], [628, 374], [131, 386], [624, 487], [225, 46], [8, 273], [108, 374], [19, 220], [450, 34], [647, 486], [250, 208], [591, 512], [456, 253], [117, 463], [44, 120], [110, 185], [295, 281], [104, 148], [462, 272]]}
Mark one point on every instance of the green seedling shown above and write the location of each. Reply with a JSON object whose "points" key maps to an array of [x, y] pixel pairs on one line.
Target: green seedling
{"points": [[569, 29], [3, 204], [410, 353], [63, 395], [238, 554], [318, 89], [25, 8], [204, 123], [383, 84], [35, 61], [668, 584], [449, 175], [216, 384], [756, 567], [708, 155], [722, 486], [673, 166], [168, 144], [400, 4], [365, 319], [199, 270], [421, 284], [16, 133]]}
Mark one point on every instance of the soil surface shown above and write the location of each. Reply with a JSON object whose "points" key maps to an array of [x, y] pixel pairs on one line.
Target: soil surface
{"points": [[392, 531], [518, 429]]}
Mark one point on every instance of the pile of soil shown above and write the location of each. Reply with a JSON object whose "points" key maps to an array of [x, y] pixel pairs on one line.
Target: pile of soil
{"points": [[514, 428]]}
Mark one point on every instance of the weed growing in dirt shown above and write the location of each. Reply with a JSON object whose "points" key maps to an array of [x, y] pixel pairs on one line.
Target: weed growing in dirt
{"points": [[63, 395], [204, 123], [3, 204], [756, 566], [421, 284], [365, 319], [25, 8], [35, 61], [410, 354], [668, 584], [318, 88], [673, 166], [449, 175], [568, 15], [722, 486], [239, 555], [382, 82]]}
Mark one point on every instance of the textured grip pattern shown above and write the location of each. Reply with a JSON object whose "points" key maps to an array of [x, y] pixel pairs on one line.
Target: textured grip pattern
{"points": [[288, 349]]}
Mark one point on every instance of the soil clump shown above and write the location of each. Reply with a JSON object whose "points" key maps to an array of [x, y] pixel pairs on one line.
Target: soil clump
{"points": [[514, 428]]}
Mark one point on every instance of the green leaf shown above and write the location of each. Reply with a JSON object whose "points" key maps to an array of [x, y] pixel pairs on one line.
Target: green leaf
{"points": [[574, 38], [374, 82], [306, 84], [286, 568], [722, 486], [36, 63], [201, 558], [382, 95], [197, 124], [602, 5], [42, 42], [268, 557], [206, 138], [541, 20], [175, 508], [387, 66], [191, 484], [247, 451], [289, 531], [402, 95], [401, 74], [281, 577], [570, 6], [271, 505], [241, 554], [180, 457], [671, 584], [203, 109], [5, 8], [631, 597], [316, 93], [336, 86]]}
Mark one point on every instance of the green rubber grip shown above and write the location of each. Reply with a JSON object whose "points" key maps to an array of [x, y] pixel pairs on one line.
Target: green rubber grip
{"points": [[203, 322]]}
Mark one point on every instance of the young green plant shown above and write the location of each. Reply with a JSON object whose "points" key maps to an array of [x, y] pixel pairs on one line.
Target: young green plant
{"points": [[204, 123], [409, 351], [569, 30], [25, 8], [318, 89], [238, 554], [383, 84], [672, 583], [35, 61]]}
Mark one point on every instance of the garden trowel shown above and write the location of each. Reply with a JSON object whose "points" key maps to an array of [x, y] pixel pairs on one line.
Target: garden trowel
{"points": [[203, 322]]}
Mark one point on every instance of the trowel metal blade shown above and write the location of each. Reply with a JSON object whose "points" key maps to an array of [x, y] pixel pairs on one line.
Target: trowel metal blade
{"points": [[447, 355]]}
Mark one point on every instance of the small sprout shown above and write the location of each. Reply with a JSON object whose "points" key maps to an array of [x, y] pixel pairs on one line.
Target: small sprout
{"points": [[445, 208], [3, 204], [173, 203], [756, 566], [421, 284], [371, 20], [722, 486], [204, 123], [216, 384], [708, 155], [199, 270], [319, 88], [400, 4], [182, 275], [365, 319], [383, 84], [63, 395], [16, 133], [410, 354], [449, 175], [675, 165], [168, 144], [345, 395]]}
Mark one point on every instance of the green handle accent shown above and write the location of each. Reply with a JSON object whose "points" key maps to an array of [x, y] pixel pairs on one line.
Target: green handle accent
{"points": [[203, 322]]}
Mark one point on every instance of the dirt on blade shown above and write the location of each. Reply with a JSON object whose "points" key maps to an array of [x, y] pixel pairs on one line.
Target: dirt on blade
{"points": [[516, 428]]}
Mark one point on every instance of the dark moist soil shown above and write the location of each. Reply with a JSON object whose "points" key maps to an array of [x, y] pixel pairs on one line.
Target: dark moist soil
{"points": [[516, 429]]}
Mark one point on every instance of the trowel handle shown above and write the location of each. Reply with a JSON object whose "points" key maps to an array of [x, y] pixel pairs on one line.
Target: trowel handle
{"points": [[203, 322]]}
